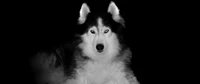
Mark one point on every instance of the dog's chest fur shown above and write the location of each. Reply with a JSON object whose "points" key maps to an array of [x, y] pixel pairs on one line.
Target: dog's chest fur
{"points": [[102, 73]]}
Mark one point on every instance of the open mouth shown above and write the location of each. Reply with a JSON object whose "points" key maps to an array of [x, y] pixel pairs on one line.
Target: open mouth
{"points": [[100, 47]]}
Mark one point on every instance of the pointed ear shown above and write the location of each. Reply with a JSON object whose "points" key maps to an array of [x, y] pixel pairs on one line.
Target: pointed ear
{"points": [[113, 10], [83, 12]]}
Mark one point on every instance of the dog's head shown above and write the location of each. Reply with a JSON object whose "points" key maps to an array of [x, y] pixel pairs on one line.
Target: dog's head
{"points": [[100, 37]]}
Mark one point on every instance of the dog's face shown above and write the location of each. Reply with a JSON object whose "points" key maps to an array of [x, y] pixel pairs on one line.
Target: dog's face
{"points": [[100, 38]]}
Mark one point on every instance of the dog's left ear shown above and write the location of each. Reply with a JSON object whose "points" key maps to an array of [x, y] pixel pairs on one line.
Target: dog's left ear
{"points": [[114, 10], [83, 12]]}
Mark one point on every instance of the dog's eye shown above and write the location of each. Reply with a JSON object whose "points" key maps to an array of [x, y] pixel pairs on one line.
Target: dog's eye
{"points": [[92, 31], [106, 31]]}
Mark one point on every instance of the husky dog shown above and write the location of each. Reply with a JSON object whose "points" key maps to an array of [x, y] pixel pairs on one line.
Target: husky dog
{"points": [[99, 56]]}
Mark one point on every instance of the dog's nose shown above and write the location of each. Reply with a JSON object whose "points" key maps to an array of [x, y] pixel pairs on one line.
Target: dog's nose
{"points": [[100, 47]]}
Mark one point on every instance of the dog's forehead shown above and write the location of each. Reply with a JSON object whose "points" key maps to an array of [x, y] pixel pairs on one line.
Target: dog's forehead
{"points": [[100, 24], [99, 20]]}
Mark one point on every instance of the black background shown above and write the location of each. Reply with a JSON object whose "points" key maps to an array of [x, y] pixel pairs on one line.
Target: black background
{"points": [[40, 25]]}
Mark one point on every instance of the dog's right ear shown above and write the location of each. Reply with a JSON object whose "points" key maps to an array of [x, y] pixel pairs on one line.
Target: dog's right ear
{"points": [[83, 13]]}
